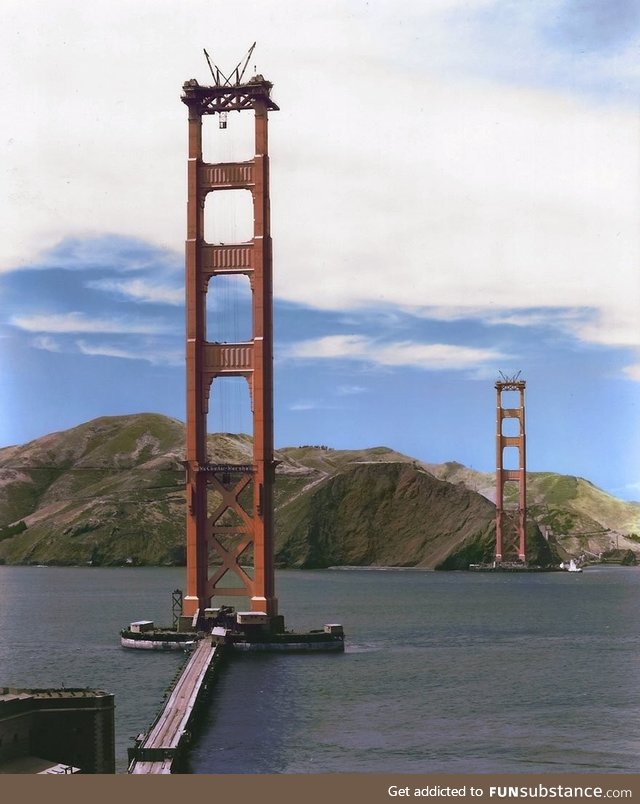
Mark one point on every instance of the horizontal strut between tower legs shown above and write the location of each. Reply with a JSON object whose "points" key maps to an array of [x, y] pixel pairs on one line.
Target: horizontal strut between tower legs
{"points": [[232, 468], [511, 413], [225, 257], [222, 358], [226, 176]]}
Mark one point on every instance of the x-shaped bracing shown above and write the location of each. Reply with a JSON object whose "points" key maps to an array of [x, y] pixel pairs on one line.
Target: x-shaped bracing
{"points": [[230, 558]]}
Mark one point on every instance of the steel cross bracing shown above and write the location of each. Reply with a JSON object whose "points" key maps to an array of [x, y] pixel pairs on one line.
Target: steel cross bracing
{"points": [[210, 100], [242, 523]]}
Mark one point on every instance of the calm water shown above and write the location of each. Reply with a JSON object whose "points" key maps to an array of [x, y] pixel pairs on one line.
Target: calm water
{"points": [[444, 672], [59, 625]]}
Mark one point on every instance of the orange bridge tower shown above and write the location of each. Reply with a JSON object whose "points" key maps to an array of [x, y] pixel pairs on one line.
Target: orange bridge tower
{"points": [[229, 506], [511, 526]]}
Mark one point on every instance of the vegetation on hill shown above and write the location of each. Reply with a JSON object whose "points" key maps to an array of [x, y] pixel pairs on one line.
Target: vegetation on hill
{"points": [[380, 514], [111, 491]]}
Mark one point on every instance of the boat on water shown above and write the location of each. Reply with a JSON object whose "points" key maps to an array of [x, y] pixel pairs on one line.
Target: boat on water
{"points": [[242, 631], [143, 635], [570, 567], [329, 639]]}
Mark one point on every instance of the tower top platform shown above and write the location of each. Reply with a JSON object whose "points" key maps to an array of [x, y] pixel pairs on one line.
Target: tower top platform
{"points": [[227, 97], [511, 385]]}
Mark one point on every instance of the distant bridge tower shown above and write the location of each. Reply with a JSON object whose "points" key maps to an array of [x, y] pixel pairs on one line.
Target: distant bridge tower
{"points": [[506, 540], [235, 530]]}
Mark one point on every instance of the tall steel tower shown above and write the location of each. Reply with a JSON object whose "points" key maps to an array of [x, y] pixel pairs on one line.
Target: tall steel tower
{"points": [[209, 534], [504, 524]]}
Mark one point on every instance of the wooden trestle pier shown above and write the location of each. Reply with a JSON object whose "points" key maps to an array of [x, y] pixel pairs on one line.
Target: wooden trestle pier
{"points": [[164, 744]]}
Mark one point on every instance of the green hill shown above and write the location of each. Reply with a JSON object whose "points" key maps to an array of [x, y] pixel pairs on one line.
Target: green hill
{"points": [[103, 492], [111, 491], [389, 514], [581, 517]]}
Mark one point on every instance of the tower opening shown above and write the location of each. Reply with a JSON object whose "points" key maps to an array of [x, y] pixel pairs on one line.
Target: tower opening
{"points": [[510, 458], [510, 427], [228, 217], [230, 413], [229, 314], [231, 142]]}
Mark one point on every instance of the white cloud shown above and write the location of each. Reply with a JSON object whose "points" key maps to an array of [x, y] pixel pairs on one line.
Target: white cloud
{"points": [[511, 200], [434, 355], [632, 372], [314, 404], [427, 356], [451, 192], [79, 322], [617, 326], [148, 350], [46, 343], [151, 355], [350, 390], [304, 405], [536, 318], [141, 290], [331, 346]]}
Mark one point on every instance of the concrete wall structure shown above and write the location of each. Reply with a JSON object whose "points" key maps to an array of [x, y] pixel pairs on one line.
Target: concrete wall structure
{"points": [[72, 727]]}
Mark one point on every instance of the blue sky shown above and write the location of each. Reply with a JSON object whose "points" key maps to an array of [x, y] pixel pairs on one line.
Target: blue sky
{"points": [[454, 193]]}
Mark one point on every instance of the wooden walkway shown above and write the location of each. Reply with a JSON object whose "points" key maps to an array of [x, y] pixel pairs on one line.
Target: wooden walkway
{"points": [[158, 750]]}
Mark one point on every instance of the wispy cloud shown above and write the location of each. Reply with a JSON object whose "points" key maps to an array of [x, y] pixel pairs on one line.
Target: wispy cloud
{"points": [[427, 356], [569, 45], [151, 355], [314, 404], [511, 186], [102, 350], [113, 252], [77, 322], [304, 405], [141, 290], [632, 372], [610, 327], [350, 390], [613, 326], [504, 316], [47, 343], [149, 350]]}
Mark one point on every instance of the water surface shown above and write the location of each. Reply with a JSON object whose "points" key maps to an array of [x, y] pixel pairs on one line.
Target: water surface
{"points": [[443, 672]]}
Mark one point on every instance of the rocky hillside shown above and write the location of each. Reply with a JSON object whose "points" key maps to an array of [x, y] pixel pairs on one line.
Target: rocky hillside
{"points": [[389, 513], [103, 492], [581, 517], [111, 492]]}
